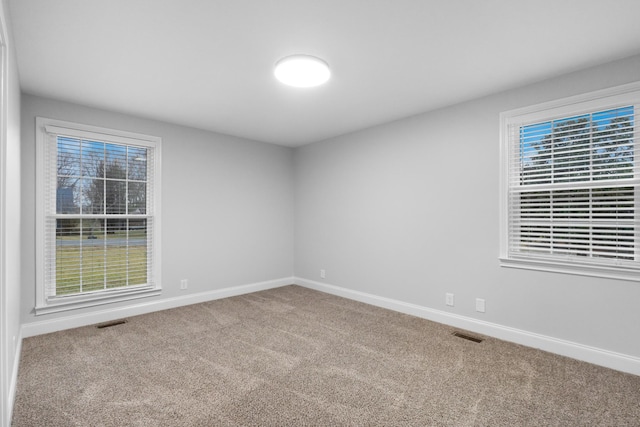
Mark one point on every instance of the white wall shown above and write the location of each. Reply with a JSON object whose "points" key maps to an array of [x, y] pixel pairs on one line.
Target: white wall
{"points": [[10, 236], [227, 209], [409, 211]]}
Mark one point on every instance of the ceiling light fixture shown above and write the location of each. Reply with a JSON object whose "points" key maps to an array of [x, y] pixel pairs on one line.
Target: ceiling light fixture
{"points": [[302, 71]]}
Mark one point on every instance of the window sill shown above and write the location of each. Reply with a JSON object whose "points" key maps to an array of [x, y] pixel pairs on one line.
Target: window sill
{"points": [[619, 273], [59, 304]]}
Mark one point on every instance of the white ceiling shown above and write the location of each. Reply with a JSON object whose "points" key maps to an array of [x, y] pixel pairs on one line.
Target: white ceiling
{"points": [[209, 63]]}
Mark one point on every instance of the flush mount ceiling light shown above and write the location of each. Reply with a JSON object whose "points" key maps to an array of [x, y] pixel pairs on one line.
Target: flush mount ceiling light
{"points": [[302, 71]]}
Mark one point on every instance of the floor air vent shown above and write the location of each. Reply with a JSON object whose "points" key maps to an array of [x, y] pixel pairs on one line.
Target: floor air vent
{"points": [[466, 337], [110, 324]]}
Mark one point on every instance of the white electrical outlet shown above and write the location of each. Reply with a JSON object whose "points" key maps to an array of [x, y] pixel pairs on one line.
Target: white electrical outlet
{"points": [[480, 306], [449, 299], [322, 274], [184, 283]]}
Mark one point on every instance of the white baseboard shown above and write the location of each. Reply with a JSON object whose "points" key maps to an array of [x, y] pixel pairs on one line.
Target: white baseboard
{"points": [[142, 307], [597, 356]]}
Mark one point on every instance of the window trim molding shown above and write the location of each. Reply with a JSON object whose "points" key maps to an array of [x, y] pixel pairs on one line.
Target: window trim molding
{"points": [[564, 107], [42, 305]]}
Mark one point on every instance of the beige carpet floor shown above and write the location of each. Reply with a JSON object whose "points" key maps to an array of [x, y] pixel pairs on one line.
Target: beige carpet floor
{"points": [[295, 357]]}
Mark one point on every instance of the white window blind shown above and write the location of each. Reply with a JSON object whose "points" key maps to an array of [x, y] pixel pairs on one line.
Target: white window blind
{"points": [[572, 184], [99, 215]]}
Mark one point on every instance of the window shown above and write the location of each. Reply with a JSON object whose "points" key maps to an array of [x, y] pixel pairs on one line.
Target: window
{"points": [[570, 182], [98, 215]]}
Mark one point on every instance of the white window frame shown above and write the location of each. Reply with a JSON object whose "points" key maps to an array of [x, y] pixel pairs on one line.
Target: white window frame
{"points": [[44, 304], [618, 96]]}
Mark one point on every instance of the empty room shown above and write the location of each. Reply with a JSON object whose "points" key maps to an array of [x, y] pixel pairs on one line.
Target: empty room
{"points": [[297, 212]]}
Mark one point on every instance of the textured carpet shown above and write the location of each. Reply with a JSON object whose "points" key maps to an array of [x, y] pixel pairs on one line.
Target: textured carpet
{"points": [[293, 357]]}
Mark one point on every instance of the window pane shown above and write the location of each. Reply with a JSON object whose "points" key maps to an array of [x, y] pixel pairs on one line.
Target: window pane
{"points": [[68, 157], [68, 175], [93, 159], [65, 200], [570, 149], [571, 205], [137, 163], [116, 252], [535, 153], [535, 205], [137, 198], [116, 161], [614, 204], [93, 196], [116, 197], [93, 257], [93, 229], [68, 256], [137, 251], [613, 143]]}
